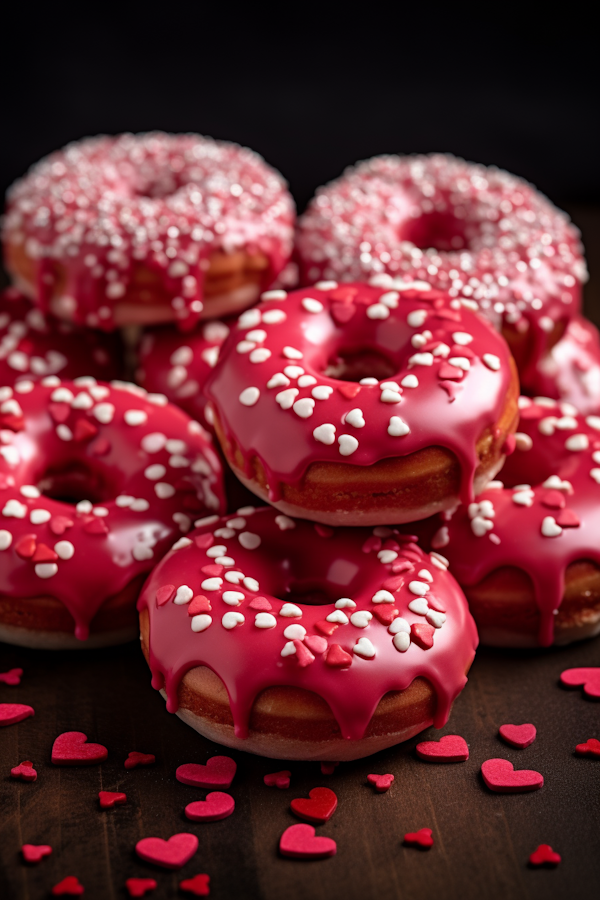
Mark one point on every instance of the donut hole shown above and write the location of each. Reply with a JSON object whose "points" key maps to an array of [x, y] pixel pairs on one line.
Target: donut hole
{"points": [[359, 363], [307, 592], [438, 230], [75, 481]]}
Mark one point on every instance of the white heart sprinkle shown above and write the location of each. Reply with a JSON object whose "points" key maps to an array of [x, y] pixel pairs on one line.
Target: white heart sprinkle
{"points": [[556, 483], [64, 549], [278, 380], [84, 507], [274, 316], [249, 396], [550, 527], [265, 620], [290, 610], [419, 588], [231, 619], [233, 598], [595, 473], [388, 396], [577, 442], [292, 353], [345, 603], [82, 401], [435, 618], [378, 311], [286, 398], [338, 617], [461, 362], [364, 648], [104, 413], [30, 491], [258, 335], [274, 295], [361, 618], [382, 597], [295, 632], [523, 498], [155, 472], [249, 541], [419, 607], [154, 442], [46, 570], [462, 338], [387, 556], [410, 381], [163, 490], [421, 359], [135, 417], [492, 361], [397, 427], [311, 305], [322, 392], [355, 418], [399, 626], [245, 346], [593, 422], [232, 577], [288, 649], [401, 641], [390, 299], [184, 595], [417, 317], [216, 549], [5, 539], [39, 516], [481, 526], [304, 407], [347, 444], [284, 523], [251, 584], [260, 355], [306, 381], [325, 434], [211, 584], [201, 623], [294, 371]]}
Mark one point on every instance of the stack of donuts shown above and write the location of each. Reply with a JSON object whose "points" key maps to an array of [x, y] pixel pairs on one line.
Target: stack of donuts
{"points": [[320, 480]]}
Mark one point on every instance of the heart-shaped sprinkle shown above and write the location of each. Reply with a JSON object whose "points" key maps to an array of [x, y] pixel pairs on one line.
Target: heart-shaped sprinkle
{"points": [[300, 842], [328, 768], [198, 885], [451, 748], [347, 444], [11, 713], [24, 771], [316, 644], [318, 807], [217, 805], [566, 518], [108, 799], [164, 594], [12, 677], [381, 783], [59, 524], [171, 854], [550, 528], [337, 657], [520, 736], [139, 887], [590, 748], [421, 839], [588, 677], [501, 776], [71, 749], [422, 635], [139, 759], [355, 418], [34, 853], [218, 772], [364, 648], [69, 886], [279, 780], [544, 855]]}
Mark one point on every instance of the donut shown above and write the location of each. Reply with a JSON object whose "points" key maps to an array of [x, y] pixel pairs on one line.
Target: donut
{"points": [[33, 345], [476, 231], [150, 228], [354, 405], [527, 551], [295, 640], [571, 370], [97, 481], [178, 365]]}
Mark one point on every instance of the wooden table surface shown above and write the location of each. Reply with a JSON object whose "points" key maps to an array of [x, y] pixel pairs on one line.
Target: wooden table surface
{"points": [[482, 840]]}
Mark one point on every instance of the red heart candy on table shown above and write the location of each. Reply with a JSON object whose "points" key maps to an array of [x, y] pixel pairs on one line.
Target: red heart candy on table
{"points": [[300, 842], [588, 677], [501, 776], [217, 805], [11, 713], [421, 839], [280, 780], [381, 783], [108, 799], [590, 748], [12, 677], [71, 749], [544, 855], [69, 885], [218, 772], [198, 885], [328, 768], [171, 854], [139, 759], [34, 853], [520, 736], [24, 771], [450, 748], [138, 887], [319, 808]]}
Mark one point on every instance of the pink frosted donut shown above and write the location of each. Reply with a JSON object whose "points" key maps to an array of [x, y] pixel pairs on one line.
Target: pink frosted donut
{"points": [[141, 229], [476, 231], [354, 405], [298, 641], [527, 554], [33, 345], [179, 365], [96, 483], [571, 370]]}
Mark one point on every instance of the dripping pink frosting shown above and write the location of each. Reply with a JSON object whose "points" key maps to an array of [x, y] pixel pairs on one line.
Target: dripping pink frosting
{"points": [[449, 376], [168, 201], [555, 472], [266, 561], [482, 233], [151, 468]]}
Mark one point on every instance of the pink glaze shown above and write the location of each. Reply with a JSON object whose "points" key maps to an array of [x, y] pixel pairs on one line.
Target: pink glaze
{"points": [[571, 370], [556, 480], [480, 232], [265, 561], [148, 467], [33, 345], [178, 365], [167, 201], [449, 375]]}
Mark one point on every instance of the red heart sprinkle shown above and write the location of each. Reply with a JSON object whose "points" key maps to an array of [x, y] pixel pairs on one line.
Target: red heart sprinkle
{"points": [[60, 412], [451, 372], [337, 658], [25, 546], [316, 644], [381, 783], [139, 759], [421, 839], [341, 313], [345, 293], [100, 447], [218, 772], [84, 430], [11, 713], [319, 808], [260, 603], [394, 583], [280, 780], [139, 887], [199, 604], [12, 677], [328, 768], [212, 570], [520, 736], [385, 613], [59, 524], [349, 390], [303, 655], [71, 749], [69, 885], [554, 499], [34, 853], [300, 842], [590, 748], [204, 541], [588, 677], [217, 805], [451, 748], [95, 526], [171, 854], [108, 799], [372, 543], [43, 553], [501, 776], [544, 855], [435, 602], [566, 518], [198, 885], [24, 771], [164, 594], [422, 635], [326, 627]]}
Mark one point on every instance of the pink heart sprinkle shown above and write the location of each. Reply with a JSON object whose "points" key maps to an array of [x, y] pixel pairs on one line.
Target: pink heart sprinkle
{"points": [[171, 854], [198, 885], [218, 772], [164, 594], [108, 799], [34, 853], [71, 749], [588, 677], [421, 839], [279, 780], [217, 805], [450, 748], [139, 887], [381, 783], [544, 855], [12, 677], [260, 603], [135, 759], [520, 736], [501, 776], [11, 713], [69, 885], [300, 842], [24, 771], [316, 644]]}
